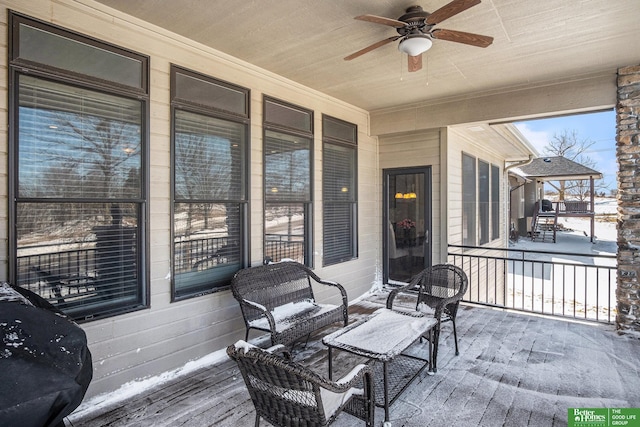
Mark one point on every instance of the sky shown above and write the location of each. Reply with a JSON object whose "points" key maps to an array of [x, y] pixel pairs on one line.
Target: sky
{"points": [[597, 127]]}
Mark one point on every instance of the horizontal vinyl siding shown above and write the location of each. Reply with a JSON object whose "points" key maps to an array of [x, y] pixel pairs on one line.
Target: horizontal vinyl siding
{"points": [[166, 336], [478, 272], [457, 146], [418, 149]]}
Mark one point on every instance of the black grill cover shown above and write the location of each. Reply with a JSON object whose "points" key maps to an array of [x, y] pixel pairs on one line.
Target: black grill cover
{"points": [[45, 364]]}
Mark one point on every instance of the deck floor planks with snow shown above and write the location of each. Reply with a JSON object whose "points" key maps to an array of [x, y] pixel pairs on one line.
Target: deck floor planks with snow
{"points": [[513, 369]]}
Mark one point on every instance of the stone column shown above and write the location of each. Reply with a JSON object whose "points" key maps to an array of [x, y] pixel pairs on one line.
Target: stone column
{"points": [[628, 154]]}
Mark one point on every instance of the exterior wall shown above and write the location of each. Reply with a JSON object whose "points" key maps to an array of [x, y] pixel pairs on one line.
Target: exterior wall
{"points": [[419, 149], [628, 149], [459, 144], [165, 336], [442, 150], [478, 272]]}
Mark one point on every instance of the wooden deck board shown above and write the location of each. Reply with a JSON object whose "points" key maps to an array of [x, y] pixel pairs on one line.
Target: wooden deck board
{"points": [[513, 369]]}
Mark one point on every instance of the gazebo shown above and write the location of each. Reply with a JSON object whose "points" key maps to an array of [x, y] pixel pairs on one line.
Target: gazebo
{"points": [[527, 195]]}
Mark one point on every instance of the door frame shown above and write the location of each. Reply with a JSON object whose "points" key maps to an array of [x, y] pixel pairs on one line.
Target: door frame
{"points": [[428, 214]]}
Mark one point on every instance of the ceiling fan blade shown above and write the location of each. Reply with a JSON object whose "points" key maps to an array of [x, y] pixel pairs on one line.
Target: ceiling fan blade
{"points": [[462, 37], [415, 63], [381, 20], [450, 9], [370, 48]]}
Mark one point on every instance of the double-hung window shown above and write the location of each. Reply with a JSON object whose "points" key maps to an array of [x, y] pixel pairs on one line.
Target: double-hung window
{"points": [[288, 142], [209, 186], [339, 190], [78, 158]]}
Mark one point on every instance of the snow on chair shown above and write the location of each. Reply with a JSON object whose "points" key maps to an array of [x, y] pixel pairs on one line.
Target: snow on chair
{"points": [[286, 393]]}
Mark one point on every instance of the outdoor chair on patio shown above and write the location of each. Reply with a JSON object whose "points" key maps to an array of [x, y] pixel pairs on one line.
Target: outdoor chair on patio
{"points": [[286, 393], [279, 299], [439, 289]]}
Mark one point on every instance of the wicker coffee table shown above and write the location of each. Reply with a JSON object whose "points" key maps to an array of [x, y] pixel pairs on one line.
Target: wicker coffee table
{"points": [[383, 338]]}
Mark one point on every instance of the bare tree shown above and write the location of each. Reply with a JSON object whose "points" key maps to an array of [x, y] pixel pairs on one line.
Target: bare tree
{"points": [[570, 146], [101, 150], [202, 173], [82, 156]]}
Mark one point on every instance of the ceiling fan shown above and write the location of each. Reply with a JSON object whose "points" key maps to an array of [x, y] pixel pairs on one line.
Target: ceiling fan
{"points": [[415, 29]]}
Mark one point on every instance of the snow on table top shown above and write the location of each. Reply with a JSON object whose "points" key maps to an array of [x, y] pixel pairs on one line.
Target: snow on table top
{"points": [[385, 332]]}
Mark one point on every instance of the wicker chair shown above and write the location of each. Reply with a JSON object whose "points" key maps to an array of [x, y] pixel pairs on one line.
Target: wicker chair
{"points": [[278, 298], [287, 394], [440, 287]]}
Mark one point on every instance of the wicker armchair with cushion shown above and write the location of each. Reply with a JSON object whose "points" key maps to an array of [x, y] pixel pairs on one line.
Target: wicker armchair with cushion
{"points": [[286, 393], [278, 298], [439, 289]]}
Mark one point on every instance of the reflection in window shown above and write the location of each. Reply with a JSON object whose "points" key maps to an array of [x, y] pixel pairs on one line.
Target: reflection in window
{"points": [[90, 148], [209, 186], [287, 185], [78, 167], [78, 201], [287, 192]]}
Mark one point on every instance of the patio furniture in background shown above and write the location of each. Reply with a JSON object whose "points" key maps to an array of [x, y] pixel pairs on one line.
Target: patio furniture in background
{"points": [[278, 298], [383, 337], [53, 282], [57, 283], [439, 287], [45, 364], [288, 394]]}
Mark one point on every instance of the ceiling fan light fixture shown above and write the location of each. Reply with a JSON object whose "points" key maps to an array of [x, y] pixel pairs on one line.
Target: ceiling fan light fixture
{"points": [[415, 44]]}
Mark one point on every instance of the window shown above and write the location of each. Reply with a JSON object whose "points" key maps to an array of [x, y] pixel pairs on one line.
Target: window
{"points": [[483, 201], [495, 202], [339, 187], [469, 214], [288, 136], [78, 144], [481, 204], [209, 185]]}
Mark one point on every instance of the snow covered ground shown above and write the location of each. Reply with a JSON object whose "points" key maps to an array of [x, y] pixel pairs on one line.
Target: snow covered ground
{"points": [[575, 237], [579, 278]]}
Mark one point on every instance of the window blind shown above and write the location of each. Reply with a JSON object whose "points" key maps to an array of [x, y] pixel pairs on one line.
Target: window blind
{"points": [[78, 194], [339, 189], [209, 181]]}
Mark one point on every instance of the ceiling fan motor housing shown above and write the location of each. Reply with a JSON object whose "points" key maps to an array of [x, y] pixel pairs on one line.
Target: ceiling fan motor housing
{"points": [[415, 17]]}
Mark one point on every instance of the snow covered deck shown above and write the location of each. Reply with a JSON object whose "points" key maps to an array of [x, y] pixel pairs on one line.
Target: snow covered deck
{"points": [[513, 369]]}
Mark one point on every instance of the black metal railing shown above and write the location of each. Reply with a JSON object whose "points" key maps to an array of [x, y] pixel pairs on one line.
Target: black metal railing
{"points": [[39, 266], [193, 254], [580, 286], [284, 246]]}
